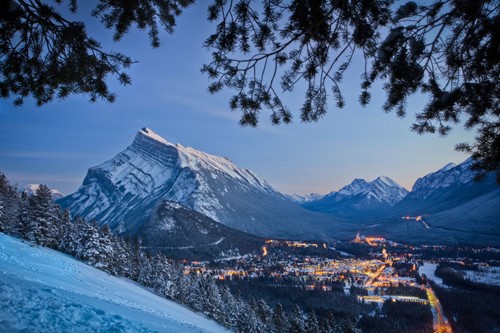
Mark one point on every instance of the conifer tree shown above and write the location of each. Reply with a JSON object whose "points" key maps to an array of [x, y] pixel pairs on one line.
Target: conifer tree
{"points": [[146, 271], [65, 230], [280, 321], [95, 247], [210, 299], [446, 50], [312, 325], [24, 217], [264, 314], [44, 214], [297, 323], [247, 320], [75, 236], [122, 256], [164, 277], [136, 257], [9, 206]]}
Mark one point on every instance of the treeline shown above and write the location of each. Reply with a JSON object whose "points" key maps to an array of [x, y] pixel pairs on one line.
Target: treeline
{"points": [[397, 317], [470, 306], [470, 311], [456, 252], [39, 220], [333, 303], [402, 290], [458, 279]]}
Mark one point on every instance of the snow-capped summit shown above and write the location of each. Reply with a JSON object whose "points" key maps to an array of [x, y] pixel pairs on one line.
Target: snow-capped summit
{"points": [[382, 189], [360, 198], [358, 185], [451, 174], [300, 199], [453, 191], [149, 133], [124, 190], [31, 189], [447, 167]]}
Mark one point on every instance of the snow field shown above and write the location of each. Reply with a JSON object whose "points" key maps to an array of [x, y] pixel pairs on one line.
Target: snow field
{"points": [[43, 290]]}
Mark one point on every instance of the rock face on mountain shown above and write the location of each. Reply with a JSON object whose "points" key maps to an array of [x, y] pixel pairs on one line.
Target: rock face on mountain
{"points": [[182, 233], [361, 199], [454, 207], [448, 188], [124, 191]]}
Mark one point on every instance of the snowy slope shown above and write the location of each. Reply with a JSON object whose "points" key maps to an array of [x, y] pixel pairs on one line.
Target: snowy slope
{"points": [[42, 290], [124, 191], [450, 175], [452, 187], [361, 198]]}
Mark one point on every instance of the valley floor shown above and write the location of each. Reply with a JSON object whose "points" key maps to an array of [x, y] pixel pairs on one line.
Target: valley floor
{"points": [[42, 290]]}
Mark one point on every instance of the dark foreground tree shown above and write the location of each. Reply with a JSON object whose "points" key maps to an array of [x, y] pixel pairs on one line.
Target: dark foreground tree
{"points": [[46, 55], [447, 50]]}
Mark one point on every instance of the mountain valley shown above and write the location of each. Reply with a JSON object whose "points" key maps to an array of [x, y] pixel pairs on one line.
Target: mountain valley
{"points": [[128, 191]]}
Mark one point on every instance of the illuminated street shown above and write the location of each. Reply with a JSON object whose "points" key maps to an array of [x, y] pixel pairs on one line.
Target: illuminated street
{"points": [[441, 324]]}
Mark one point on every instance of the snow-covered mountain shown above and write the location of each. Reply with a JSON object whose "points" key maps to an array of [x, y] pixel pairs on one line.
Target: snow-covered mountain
{"points": [[42, 290], [456, 209], [124, 191], [300, 199], [449, 187], [382, 189], [360, 198], [447, 176], [31, 189]]}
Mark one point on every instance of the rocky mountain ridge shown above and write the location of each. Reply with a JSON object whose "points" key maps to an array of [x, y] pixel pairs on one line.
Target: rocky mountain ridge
{"points": [[124, 191]]}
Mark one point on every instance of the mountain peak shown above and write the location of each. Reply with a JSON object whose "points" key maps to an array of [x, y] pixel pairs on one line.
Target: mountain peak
{"points": [[147, 132], [386, 181], [124, 190], [449, 175], [31, 189], [383, 189], [447, 167], [356, 186]]}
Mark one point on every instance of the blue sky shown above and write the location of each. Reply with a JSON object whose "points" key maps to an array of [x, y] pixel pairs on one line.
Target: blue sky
{"points": [[57, 143]]}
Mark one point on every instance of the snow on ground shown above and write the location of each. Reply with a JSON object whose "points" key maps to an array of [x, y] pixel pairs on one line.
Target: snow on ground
{"points": [[428, 269], [42, 290], [487, 275]]}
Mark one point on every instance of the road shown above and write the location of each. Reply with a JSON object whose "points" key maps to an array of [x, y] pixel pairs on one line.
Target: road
{"points": [[373, 276], [441, 324], [421, 220]]}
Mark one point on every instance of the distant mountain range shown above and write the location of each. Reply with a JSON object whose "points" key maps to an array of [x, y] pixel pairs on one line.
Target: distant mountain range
{"points": [[360, 199], [154, 184], [454, 207], [300, 199]]}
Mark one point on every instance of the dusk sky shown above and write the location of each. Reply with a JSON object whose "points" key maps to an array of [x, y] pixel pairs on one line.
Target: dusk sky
{"points": [[57, 143]]}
